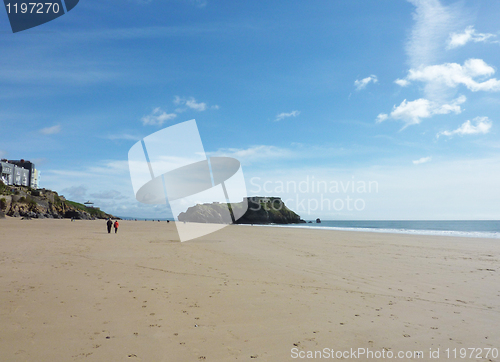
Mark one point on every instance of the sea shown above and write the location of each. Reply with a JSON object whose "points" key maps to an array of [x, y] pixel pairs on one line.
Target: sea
{"points": [[464, 228]]}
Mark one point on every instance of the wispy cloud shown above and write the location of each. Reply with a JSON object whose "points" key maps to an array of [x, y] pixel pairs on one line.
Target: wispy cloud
{"points": [[361, 84], [200, 3], [51, 130], [197, 3], [482, 125], [253, 153], [422, 160], [157, 117], [75, 192], [413, 112], [110, 194], [81, 72], [460, 39], [433, 24], [198, 106], [123, 136], [93, 182], [284, 115], [190, 102]]}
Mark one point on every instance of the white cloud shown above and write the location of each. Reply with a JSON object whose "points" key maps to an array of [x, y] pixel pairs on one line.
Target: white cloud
{"points": [[413, 112], [402, 82], [460, 39], [51, 130], [192, 103], [482, 125], [254, 153], [451, 75], [284, 115], [361, 84], [381, 117], [422, 160], [433, 23], [157, 117]]}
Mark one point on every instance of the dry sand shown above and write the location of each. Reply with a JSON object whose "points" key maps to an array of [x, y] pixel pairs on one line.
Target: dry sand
{"points": [[69, 291]]}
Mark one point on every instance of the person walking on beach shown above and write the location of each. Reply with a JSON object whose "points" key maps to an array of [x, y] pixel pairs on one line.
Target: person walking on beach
{"points": [[109, 224], [116, 226]]}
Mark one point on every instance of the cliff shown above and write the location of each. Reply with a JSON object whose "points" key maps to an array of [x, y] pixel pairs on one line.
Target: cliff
{"points": [[261, 210], [20, 201]]}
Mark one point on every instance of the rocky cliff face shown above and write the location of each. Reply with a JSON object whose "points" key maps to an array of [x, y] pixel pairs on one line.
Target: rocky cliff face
{"points": [[19, 201], [207, 213], [270, 210]]}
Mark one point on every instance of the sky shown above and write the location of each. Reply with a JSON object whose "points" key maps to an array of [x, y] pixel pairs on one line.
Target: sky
{"points": [[353, 109]]}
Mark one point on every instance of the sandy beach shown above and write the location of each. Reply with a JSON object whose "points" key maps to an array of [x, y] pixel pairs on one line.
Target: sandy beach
{"points": [[69, 291]]}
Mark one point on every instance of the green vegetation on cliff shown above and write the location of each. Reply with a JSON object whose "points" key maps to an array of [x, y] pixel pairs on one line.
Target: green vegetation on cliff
{"points": [[24, 201], [97, 213], [4, 189]]}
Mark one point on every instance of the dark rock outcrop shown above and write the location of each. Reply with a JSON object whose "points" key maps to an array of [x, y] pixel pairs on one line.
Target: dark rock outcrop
{"points": [[268, 210], [261, 210], [77, 214]]}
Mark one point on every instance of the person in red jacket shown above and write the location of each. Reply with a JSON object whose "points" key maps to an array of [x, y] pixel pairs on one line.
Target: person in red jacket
{"points": [[116, 226]]}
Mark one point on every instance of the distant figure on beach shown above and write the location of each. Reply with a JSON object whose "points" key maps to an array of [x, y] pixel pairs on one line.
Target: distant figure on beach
{"points": [[109, 224], [116, 226]]}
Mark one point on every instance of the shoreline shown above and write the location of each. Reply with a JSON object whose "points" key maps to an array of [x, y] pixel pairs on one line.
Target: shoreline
{"points": [[451, 233], [313, 226]]}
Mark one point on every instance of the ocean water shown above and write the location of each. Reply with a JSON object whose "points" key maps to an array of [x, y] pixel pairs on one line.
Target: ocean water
{"points": [[465, 228]]}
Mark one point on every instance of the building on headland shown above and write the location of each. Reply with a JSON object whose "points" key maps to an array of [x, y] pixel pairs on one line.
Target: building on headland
{"points": [[19, 173], [259, 199]]}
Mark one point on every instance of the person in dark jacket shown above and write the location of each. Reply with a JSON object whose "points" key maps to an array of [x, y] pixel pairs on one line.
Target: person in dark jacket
{"points": [[109, 224]]}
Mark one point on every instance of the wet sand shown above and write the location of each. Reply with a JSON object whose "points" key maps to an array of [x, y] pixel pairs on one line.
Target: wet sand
{"points": [[69, 291]]}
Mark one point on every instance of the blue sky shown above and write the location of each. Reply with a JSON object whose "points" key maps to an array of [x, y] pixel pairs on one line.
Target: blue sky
{"points": [[401, 93]]}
